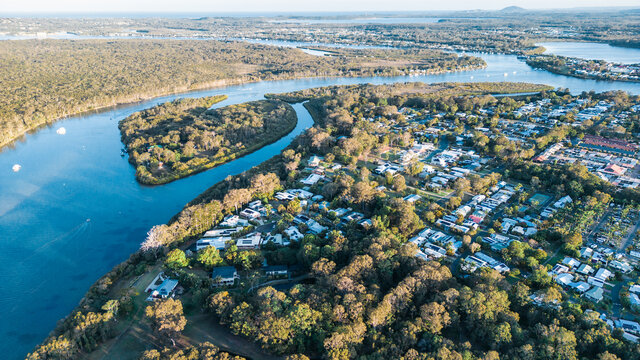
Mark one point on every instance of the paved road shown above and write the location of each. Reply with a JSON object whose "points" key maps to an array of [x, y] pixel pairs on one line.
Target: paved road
{"points": [[443, 143], [629, 239], [597, 227], [615, 298]]}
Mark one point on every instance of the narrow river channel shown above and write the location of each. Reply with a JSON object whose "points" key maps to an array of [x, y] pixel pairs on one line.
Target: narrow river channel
{"points": [[74, 209]]}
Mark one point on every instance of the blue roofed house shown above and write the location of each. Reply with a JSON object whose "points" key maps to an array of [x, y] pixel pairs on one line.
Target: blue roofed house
{"points": [[224, 276]]}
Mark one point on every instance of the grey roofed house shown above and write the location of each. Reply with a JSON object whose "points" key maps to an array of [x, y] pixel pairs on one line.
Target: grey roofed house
{"points": [[595, 294]]}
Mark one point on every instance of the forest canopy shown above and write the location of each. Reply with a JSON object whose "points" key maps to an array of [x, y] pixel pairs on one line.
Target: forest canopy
{"points": [[44, 80]]}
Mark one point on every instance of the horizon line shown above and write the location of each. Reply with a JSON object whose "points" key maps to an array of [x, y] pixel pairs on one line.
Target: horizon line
{"points": [[406, 11]]}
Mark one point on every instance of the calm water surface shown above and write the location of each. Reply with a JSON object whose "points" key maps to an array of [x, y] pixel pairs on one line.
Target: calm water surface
{"points": [[591, 50], [74, 210]]}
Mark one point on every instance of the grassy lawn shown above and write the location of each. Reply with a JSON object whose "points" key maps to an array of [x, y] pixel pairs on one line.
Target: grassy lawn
{"points": [[557, 255], [203, 327], [136, 335]]}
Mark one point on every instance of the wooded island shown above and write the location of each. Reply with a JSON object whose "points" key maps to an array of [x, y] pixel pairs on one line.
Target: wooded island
{"points": [[183, 137]]}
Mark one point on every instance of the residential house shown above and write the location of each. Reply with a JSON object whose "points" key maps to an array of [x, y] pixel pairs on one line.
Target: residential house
{"points": [[165, 290], [224, 276]]}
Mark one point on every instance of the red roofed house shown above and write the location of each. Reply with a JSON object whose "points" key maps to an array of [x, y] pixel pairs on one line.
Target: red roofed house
{"points": [[614, 169]]}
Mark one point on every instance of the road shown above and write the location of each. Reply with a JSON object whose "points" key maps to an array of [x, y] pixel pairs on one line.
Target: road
{"points": [[628, 241], [597, 227], [615, 298]]}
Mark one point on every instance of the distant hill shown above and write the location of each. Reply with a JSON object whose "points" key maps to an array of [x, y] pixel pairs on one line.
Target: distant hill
{"points": [[513, 9]]}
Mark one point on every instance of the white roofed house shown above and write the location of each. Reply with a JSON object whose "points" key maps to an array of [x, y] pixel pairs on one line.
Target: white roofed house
{"points": [[284, 196], [580, 286], [221, 232], [250, 213], [166, 289], [313, 225], [217, 238], [277, 239], [472, 262], [621, 266], [559, 269], [585, 269], [571, 262], [312, 179], [219, 243], [564, 279], [412, 198], [301, 193], [603, 274], [562, 202], [314, 161], [249, 242], [293, 233], [234, 220]]}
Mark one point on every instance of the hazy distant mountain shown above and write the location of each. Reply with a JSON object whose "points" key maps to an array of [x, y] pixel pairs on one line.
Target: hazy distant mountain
{"points": [[513, 9]]}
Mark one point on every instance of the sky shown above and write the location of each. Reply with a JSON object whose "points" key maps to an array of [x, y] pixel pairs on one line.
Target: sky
{"points": [[219, 6]]}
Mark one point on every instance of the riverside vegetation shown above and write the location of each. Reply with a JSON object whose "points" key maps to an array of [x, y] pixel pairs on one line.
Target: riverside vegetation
{"points": [[370, 297], [44, 80], [585, 68], [182, 137]]}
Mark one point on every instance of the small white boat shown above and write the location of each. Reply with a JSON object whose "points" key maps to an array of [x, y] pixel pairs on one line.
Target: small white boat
{"points": [[61, 131], [16, 167]]}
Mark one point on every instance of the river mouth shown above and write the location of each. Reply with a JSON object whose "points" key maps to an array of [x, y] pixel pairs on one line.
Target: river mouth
{"points": [[74, 210]]}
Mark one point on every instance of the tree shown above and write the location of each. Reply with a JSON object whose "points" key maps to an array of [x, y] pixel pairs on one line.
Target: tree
{"points": [[415, 168], [453, 202], [167, 317], [399, 183], [157, 237], [265, 184], [435, 317], [304, 357], [176, 259], [364, 174], [462, 185], [111, 306], [235, 198], [362, 193], [293, 207], [210, 257]]}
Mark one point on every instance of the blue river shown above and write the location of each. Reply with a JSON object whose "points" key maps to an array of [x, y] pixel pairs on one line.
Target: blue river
{"points": [[74, 210]]}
